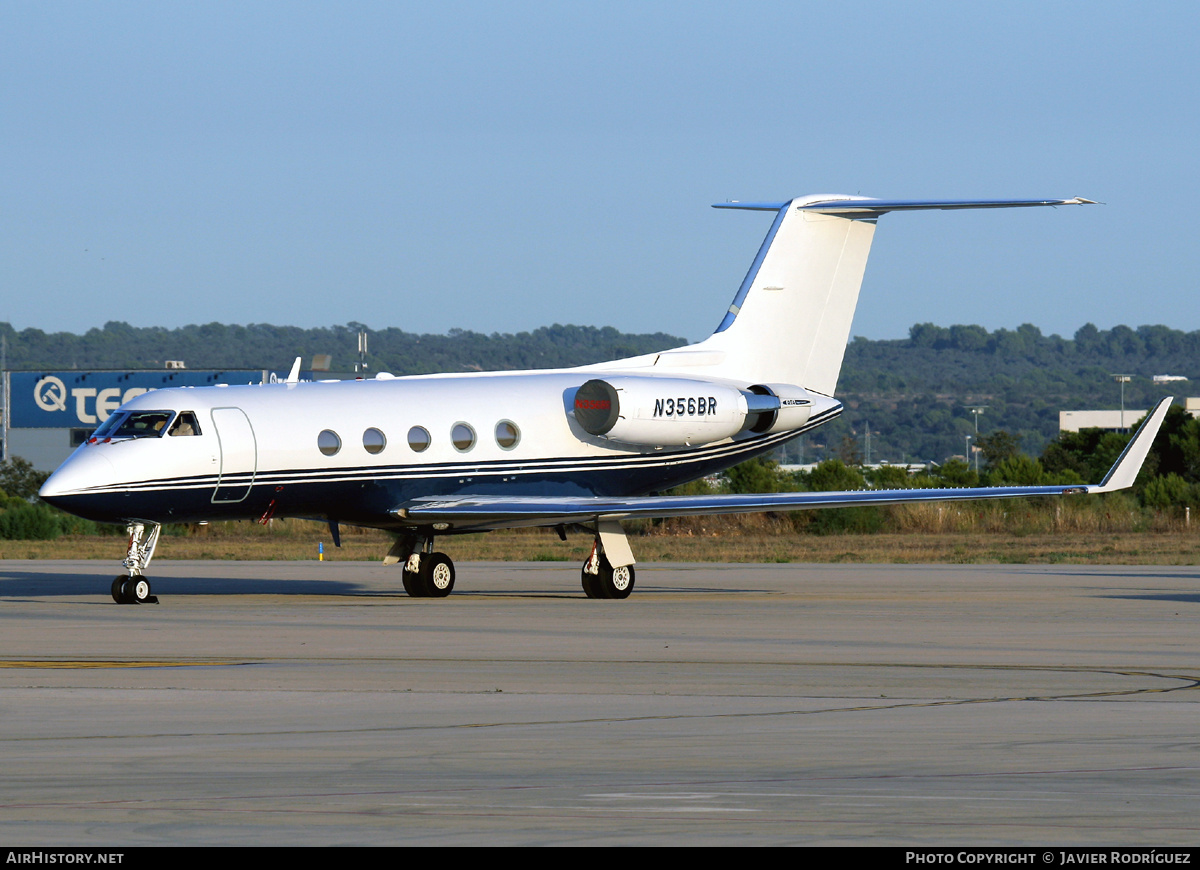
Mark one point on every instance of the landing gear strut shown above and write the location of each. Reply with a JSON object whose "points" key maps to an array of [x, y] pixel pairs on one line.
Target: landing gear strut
{"points": [[134, 588], [426, 574]]}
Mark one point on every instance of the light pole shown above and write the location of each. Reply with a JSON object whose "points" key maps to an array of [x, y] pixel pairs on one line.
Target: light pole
{"points": [[976, 410], [1122, 380]]}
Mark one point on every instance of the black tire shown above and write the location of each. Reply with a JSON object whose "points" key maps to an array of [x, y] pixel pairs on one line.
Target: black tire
{"points": [[591, 584], [138, 590], [437, 575], [135, 590], [116, 588], [413, 584], [609, 582], [615, 582]]}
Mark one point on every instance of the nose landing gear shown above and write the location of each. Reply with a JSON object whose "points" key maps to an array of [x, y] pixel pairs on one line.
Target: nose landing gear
{"points": [[134, 588], [127, 589]]}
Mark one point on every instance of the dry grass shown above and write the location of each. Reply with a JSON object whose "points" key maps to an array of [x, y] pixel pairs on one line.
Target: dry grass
{"points": [[762, 538]]}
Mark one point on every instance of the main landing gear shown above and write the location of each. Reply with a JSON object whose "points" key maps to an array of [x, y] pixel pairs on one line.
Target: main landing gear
{"points": [[602, 580], [608, 571], [134, 588], [427, 574]]}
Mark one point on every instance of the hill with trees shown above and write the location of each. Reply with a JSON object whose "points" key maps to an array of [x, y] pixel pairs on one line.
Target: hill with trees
{"points": [[913, 395]]}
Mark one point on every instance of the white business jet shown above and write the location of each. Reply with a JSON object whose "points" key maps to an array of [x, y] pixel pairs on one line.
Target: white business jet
{"points": [[581, 448]]}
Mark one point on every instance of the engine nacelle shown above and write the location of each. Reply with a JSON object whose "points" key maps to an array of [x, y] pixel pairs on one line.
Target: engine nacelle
{"points": [[660, 412], [792, 407]]}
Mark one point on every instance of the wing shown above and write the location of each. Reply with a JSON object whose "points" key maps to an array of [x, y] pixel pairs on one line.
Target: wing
{"points": [[479, 512]]}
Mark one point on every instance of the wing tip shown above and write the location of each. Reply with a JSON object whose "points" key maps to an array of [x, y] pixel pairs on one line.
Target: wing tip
{"points": [[1125, 470]]}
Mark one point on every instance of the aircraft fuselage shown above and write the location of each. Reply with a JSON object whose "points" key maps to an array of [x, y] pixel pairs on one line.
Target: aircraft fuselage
{"points": [[351, 451]]}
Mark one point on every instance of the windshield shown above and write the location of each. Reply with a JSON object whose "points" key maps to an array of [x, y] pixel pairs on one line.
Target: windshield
{"points": [[141, 424], [114, 420]]}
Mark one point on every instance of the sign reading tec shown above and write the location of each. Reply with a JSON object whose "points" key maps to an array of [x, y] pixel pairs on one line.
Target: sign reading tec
{"points": [[82, 400]]}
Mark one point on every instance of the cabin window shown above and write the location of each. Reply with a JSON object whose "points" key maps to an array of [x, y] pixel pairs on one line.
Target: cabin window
{"points": [[142, 424], [328, 442], [185, 424], [418, 439], [507, 434], [462, 437], [374, 441]]}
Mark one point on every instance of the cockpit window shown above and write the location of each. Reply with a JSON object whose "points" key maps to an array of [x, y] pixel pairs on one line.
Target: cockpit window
{"points": [[114, 420], [142, 424], [185, 424]]}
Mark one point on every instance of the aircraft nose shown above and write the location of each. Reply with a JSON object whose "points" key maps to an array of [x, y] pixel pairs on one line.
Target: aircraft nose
{"points": [[79, 474]]}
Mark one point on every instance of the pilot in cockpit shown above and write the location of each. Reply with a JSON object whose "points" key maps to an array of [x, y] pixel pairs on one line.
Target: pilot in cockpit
{"points": [[185, 424]]}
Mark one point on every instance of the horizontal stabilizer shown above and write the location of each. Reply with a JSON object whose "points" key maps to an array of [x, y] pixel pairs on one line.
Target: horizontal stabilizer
{"points": [[490, 512], [790, 318], [865, 207]]}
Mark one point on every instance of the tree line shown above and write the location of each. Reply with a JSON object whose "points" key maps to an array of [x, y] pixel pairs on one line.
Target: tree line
{"points": [[913, 395]]}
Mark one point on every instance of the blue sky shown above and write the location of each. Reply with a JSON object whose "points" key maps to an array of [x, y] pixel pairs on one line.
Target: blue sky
{"points": [[499, 167]]}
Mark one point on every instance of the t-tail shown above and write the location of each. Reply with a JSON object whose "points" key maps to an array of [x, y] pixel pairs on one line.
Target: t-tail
{"points": [[791, 317]]}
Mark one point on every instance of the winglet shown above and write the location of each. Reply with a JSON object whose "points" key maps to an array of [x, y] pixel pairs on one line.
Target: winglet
{"points": [[294, 375], [1125, 469]]}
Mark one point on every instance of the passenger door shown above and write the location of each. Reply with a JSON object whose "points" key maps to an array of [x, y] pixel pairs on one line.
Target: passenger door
{"points": [[238, 455]]}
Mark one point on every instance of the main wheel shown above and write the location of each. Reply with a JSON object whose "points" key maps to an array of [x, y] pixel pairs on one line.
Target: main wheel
{"points": [[437, 573], [608, 582], [116, 588], [615, 582], [591, 582]]}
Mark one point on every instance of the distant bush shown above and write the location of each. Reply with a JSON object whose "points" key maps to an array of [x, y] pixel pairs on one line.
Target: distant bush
{"points": [[28, 522], [21, 520]]}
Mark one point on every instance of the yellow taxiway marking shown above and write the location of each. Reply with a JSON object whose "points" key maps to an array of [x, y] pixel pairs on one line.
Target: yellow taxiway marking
{"points": [[25, 663]]}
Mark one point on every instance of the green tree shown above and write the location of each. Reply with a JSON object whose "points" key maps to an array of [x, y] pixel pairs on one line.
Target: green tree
{"points": [[889, 477], [1169, 491], [998, 447], [20, 479], [754, 475], [833, 475]]}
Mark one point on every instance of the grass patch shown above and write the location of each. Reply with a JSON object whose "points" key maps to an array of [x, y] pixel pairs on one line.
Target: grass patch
{"points": [[297, 541]]}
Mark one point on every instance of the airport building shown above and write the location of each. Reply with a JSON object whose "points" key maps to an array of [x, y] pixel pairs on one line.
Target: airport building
{"points": [[1115, 421]]}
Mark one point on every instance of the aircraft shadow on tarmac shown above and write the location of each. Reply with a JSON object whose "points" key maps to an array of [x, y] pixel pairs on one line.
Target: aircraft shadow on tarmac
{"points": [[38, 584], [1185, 597], [23, 584], [1132, 575]]}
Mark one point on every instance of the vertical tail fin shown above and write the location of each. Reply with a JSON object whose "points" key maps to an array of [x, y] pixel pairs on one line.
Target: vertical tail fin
{"points": [[791, 318]]}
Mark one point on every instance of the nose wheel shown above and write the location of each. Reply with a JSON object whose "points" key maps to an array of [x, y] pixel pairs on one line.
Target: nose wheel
{"points": [[128, 589]]}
